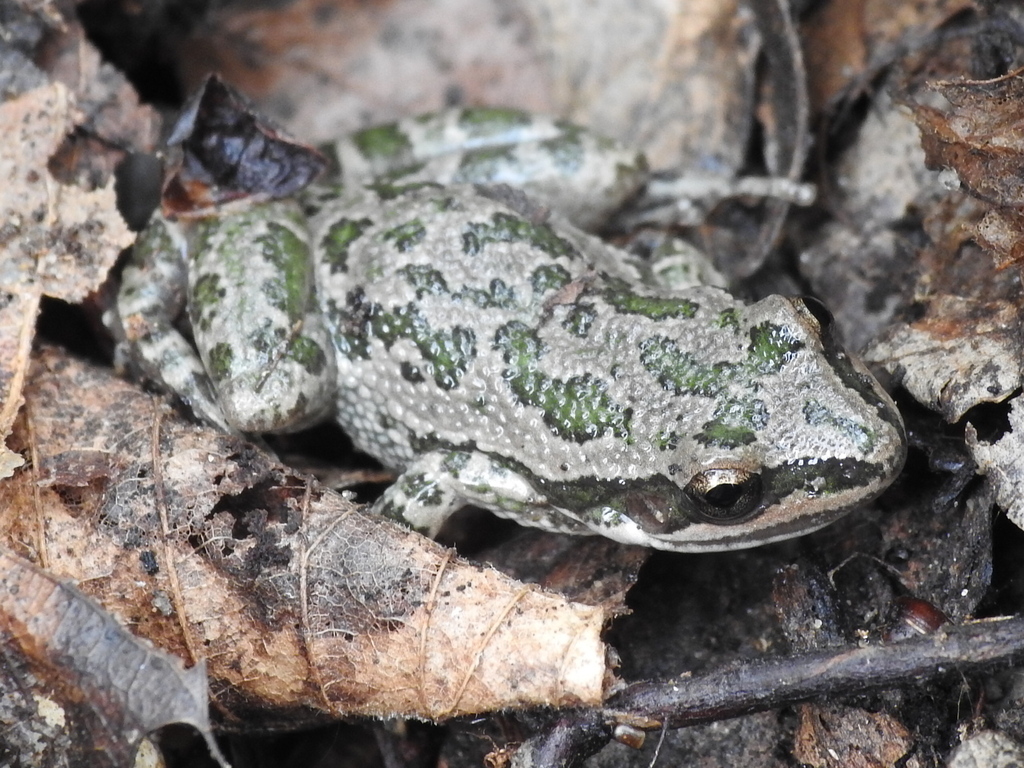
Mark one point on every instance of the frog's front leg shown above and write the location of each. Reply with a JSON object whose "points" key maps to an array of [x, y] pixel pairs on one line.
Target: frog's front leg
{"points": [[152, 295], [441, 482], [264, 362]]}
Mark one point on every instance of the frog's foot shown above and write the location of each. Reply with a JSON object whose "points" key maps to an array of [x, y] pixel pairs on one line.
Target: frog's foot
{"points": [[440, 483]]}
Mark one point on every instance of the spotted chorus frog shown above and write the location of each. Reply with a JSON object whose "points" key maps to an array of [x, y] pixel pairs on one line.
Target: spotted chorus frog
{"points": [[492, 353]]}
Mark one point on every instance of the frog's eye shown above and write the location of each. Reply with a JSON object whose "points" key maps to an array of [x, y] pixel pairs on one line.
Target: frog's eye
{"points": [[818, 312], [724, 496]]}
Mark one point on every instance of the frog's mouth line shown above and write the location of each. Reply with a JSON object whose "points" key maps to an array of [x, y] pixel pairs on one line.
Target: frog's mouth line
{"points": [[812, 479]]}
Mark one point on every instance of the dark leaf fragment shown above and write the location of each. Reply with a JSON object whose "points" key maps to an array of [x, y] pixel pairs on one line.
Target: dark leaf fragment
{"points": [[229, 152]]}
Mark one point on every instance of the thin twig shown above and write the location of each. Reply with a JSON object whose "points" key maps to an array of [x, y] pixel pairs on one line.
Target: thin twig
{"points": [[772, 683]]}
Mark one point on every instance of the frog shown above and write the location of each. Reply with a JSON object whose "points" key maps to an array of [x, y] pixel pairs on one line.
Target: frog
{"points": [[440, 297]]}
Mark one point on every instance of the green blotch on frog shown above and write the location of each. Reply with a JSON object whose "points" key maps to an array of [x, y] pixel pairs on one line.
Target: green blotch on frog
{"points": [[507, 228]]}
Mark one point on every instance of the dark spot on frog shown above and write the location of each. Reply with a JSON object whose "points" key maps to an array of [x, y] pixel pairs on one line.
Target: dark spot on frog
{"points": [[579, 318], [207, 294], [411, 373], [455, 462], [406, 236], [424, 280], [497, 295], [625, 300], [735, 423], [577, 408], [566, 151], [772, 346], [549, 277], [506, 228], [484, 164], [383, 141], [308, 354]]}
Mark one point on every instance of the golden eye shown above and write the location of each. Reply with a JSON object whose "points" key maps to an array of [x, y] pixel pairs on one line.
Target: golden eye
{"points": [[724, 496]]}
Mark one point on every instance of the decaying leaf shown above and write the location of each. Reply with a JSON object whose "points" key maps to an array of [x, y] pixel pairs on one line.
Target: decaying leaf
{"points": [[843, 40], [1001, 232], [1003, 463], [834, 735], [957, 342], [295, 599], [987, 749], [981, 136], [106, 688], [56, 239], [964, 352]]}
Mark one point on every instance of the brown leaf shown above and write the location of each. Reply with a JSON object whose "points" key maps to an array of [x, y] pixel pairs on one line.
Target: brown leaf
{"points": [[203, 545], [108, 688], [845, 40], [56, 239], [846, 737], [964, 344], [981, 135]]}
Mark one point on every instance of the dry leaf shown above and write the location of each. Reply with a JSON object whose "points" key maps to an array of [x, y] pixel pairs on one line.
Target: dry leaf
{"points": [[1001, 232], [295, 599], [981, 135], [833, 736], [987, 749], [77, 667], [845, 39], [56, 239]]}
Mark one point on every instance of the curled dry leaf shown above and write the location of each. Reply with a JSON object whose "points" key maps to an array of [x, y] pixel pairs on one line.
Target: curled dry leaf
{"points": [[962, 353], [957, 342], [228, 152], [106, 688], [295, 599]]}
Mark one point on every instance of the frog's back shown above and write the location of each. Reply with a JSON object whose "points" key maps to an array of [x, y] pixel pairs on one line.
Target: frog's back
{"points": [[435, 297]]}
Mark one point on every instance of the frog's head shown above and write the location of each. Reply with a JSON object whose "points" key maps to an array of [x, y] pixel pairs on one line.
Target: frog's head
{"points": [[775, 433]]}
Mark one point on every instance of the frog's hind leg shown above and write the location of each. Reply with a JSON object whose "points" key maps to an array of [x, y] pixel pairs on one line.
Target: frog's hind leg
{"points": [[439, 483], [151, 298]]}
